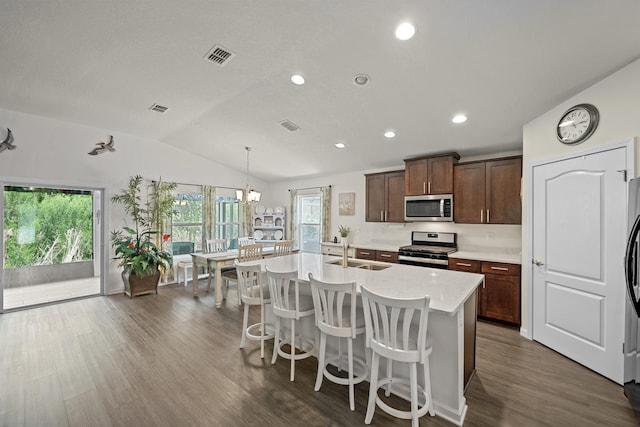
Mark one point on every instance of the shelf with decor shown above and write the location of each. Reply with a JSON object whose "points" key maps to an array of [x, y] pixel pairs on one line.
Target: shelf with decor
{"points": [[269, 224]]}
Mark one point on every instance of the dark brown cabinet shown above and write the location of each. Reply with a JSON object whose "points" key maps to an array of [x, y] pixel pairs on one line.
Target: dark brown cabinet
{"points": [[376, 255], [429, 175], [499, 297], [488, 192], [385, 197]]}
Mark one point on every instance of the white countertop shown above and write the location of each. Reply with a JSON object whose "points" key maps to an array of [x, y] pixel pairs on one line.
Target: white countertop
{"points": [[510, 256], [448, 289]]}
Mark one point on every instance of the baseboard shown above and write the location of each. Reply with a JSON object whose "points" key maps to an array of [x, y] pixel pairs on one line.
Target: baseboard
{"points": [[525, 333]]}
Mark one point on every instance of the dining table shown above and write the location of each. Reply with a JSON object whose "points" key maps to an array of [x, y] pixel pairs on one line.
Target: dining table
{"points": [[216, 261]]}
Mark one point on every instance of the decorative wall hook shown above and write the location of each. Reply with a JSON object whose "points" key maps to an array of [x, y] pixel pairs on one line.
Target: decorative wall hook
{"points": [[103, 147], [7, 143]]}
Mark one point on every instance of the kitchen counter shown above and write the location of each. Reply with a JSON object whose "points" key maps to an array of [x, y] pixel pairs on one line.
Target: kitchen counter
{"points": [[451, 319], [510, 256]]}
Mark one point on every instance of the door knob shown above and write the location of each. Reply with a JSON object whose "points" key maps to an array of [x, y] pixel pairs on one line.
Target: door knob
{"points": [[537, 262]]}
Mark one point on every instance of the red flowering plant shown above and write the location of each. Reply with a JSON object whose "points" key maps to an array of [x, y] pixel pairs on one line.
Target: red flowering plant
{"points": [[139, 248]]}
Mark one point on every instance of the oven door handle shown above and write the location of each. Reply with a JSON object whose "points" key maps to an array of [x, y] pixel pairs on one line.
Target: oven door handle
{"points": [[423, 260]]}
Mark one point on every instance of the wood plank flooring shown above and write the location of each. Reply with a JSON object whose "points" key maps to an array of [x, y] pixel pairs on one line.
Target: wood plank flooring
{"points": [[172, 360]]}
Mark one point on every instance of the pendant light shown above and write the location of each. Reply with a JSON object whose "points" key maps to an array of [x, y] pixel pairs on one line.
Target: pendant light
{"points": [[248, 195]]}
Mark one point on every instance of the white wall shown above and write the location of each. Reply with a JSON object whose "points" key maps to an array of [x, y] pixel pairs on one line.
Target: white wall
{"points": [[617, 98], [55, 152]]}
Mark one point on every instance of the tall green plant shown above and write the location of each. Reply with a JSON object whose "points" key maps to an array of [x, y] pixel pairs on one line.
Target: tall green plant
{"points": [[139, 249]]}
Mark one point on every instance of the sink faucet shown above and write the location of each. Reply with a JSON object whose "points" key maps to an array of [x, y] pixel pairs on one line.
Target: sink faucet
{"points": [[345, 246]]}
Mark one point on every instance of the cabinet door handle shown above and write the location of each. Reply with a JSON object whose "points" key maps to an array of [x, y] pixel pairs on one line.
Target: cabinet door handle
{"points": [[481, 216], [488, 220], [463, 264], [385, 256], [382, 216], [429, 187], [500, 268], [386, 216], [424, 190], [364, 253]]}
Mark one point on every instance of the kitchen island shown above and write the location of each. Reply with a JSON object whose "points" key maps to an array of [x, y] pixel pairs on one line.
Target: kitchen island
{"points": [[451, 319]]}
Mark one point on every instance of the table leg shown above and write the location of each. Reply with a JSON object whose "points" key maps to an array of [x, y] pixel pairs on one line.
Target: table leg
{"points": [[194, 273], [218, 286]]}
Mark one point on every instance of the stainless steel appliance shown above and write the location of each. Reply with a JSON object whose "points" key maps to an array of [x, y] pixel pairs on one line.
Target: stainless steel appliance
{"points": [[432, 207], [428, 249], [632, 273]]}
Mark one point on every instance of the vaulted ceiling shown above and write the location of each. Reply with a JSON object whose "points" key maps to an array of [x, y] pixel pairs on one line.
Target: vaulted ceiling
{"points": [[500, 62]]}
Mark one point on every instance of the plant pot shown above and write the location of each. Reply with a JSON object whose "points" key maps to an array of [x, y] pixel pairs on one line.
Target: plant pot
{"points": [[134, 285]]}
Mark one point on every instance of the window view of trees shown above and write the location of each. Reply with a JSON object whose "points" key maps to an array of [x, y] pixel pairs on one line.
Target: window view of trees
{"points": [[187, 223], [47, 226], [228, 219], [310, 215]]}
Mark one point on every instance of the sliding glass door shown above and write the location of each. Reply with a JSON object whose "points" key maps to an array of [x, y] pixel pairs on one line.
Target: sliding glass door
{"points": [[51, 246]]}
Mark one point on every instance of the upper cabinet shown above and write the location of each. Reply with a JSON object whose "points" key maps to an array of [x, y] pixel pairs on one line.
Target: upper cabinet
{"points": [[429, 175], [385, 197], [488, 192]]}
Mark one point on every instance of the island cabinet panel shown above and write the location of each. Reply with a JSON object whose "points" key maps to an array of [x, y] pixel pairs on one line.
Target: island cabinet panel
{"points": [[499, 297], [488, 192], [385, 198], [429, 175], [375, 255]]}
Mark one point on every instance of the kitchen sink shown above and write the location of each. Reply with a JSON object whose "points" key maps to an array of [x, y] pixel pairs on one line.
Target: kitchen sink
{"points": [[375, 266]]}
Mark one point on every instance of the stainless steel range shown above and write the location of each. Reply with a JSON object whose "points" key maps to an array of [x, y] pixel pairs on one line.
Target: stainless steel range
{"points": [[428, 249]]}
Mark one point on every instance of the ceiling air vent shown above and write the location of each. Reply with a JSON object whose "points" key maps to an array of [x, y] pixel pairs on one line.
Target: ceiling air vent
{"points": [[289, 125], [158, 108], [219, 55]]}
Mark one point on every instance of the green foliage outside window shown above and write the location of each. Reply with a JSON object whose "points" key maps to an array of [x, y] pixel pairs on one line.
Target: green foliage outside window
{"points": [[47, 226]]}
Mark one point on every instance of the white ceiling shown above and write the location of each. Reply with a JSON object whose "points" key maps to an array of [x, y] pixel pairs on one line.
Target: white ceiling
{"points": [[103, 63]]}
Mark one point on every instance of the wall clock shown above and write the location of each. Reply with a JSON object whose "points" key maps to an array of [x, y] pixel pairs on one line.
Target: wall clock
{"points": [[577, 124]]}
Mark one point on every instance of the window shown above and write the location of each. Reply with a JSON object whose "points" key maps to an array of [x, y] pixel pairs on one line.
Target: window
{"points": [[309, 220], [45, 226], [186, 226], [228, 219]]}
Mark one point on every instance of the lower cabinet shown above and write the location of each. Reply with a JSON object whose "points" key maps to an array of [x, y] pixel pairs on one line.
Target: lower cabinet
{"points": [[499, 297], [375, 255]]}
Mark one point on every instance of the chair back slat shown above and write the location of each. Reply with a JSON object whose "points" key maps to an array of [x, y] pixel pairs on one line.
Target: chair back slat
{"points": [[332, 301], [250, 252], [283, 247], [396, 328], [249, 283], [284, 290], [216, 245]]}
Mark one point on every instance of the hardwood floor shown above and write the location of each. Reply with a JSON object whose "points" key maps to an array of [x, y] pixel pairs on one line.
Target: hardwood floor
{"points": [[171, 360]]}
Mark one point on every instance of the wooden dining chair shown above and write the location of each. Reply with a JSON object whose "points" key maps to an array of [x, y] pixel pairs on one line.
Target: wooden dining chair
{"points": [[249, 252], [283, 247], [212, 246]]}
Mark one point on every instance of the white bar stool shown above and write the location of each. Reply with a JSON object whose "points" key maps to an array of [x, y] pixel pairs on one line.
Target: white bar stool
{"points": [[336, 315], [288, 304], [253, 293], [397, 330]]}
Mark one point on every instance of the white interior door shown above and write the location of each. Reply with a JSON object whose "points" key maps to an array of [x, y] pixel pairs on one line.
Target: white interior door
{"points": [[579, 232]]}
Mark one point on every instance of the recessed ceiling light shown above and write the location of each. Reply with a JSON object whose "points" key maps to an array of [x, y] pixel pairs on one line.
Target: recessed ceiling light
{"points": [[361, 79], [405, 31], [340, 145], [460, 118], [297, 79], [389, 134]]}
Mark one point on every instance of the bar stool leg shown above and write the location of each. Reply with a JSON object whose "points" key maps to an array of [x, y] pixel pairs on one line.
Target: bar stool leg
{"points": [[352, 404], [427, 385], [293, 349], [276, 341], [321, 362], [245, 324], [413, 381], [373, 388]]}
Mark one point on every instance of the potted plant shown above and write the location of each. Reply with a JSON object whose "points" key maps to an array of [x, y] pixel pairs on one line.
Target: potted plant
{"points": [[344, 232], [139, 248]]}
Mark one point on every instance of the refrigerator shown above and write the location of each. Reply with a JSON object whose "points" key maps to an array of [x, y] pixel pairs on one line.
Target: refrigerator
{"points": [[632, 306]]}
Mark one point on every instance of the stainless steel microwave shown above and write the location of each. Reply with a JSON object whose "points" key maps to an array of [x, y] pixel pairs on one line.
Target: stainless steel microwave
{"points": [[431, 207]]}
